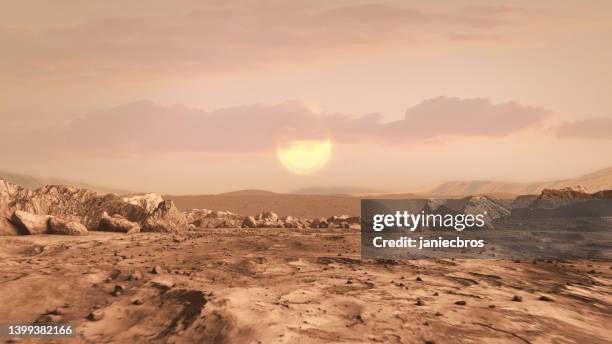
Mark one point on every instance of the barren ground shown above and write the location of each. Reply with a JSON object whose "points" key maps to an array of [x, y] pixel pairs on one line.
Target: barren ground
{"points": [[289, 286]]}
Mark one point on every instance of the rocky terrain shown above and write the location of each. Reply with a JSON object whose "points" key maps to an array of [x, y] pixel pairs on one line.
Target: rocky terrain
{"points": [[24, 211], [295, 285], [135, 269]]}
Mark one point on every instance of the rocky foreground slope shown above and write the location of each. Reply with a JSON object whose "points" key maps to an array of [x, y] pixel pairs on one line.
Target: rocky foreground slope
{"points": [[296, 286]]}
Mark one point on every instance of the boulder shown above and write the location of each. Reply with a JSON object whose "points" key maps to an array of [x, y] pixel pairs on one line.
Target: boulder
{"points": [[7, 227], [196, 214], [220, 214], [267, 216], [59, 226], [30, 224], [117, 223], [165, 219], [249, 222], [290, 222], [269, 224], [319, 223]]}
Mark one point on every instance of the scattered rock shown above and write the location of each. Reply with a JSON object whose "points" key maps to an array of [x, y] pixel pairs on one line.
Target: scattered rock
{"points": [[420, 302], [249, 222], [157, 270], [57, 311], [95, 315], [545, 298], [267, 216], [135, 276], [118, 290], [166, 218], [318, 223], [117, 223], [137, 301], [163, 282], [49, 318], [460, 303], [517, 298]]}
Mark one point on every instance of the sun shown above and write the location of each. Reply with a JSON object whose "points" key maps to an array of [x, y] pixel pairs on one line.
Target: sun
{"points": [[304, 156]]}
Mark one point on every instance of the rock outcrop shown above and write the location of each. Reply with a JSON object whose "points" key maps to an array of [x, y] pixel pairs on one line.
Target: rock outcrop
{"points": [[489, 207], [74, 204], [552, 198], [71, 204], [556, 198], [148, 201]]}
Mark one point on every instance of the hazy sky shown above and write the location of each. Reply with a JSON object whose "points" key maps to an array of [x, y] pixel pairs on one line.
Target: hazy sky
{"points": [[195, 96]]}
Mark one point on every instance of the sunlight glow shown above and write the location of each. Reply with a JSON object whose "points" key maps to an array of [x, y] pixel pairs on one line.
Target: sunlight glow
{"points": [[304, 156]]}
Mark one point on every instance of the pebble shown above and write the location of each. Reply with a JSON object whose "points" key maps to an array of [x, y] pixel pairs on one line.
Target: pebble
{"points": [[118, 290], [96, 315], [162, 282], [135, 276], [517, 298], [460, 303], [137, 302], [545, 298], [157, 270]]}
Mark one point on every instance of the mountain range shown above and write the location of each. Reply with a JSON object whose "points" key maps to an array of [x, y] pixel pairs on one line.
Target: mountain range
{"points": [[596, 181]]}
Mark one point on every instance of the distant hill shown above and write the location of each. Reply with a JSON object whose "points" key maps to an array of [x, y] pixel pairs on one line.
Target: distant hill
{"points": [[32, 182], [249, 203], [337, 190], [596, 181], [248, 192], [252, 202]]}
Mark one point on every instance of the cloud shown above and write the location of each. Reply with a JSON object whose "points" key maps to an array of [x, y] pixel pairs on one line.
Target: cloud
{"points": [[146, 128], [595, 128], [222, 37], [445, 116]]}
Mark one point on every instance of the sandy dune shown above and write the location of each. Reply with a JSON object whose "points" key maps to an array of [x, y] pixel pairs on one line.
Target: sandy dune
{"points": [[290, 286]]}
